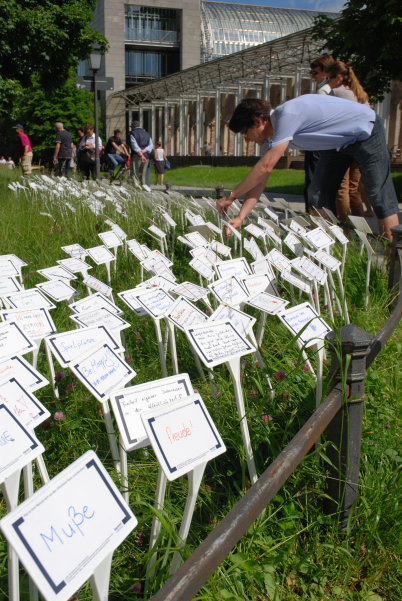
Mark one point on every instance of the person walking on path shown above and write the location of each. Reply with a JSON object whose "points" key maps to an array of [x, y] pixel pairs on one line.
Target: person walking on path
{"points": [[343, 131], [343, 83], [63, 152], [88, 151], [141, 145], [207, 149], [160, 157], [24, 150]]}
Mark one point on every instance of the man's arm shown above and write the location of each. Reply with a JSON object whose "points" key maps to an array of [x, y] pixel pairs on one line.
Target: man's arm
{"points": [[257, 177], [134, 145], [251, 199], [56, 152], [72, 150]]}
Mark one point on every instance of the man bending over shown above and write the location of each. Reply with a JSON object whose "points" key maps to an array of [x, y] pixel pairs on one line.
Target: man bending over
{"points": [[342, 130]]}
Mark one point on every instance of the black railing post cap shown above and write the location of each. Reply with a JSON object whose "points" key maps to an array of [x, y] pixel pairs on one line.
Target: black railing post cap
{"points": [[352, 339], [220, 191]]}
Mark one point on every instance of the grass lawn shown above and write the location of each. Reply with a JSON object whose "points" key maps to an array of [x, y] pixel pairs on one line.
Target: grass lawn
{"points": [[286, 181], [292, 552]]}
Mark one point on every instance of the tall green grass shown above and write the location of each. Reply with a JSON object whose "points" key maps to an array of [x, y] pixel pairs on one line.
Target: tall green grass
{"points": [[293, 551]]}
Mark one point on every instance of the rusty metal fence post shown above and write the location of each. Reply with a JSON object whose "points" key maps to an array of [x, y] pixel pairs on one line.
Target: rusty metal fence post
{"points": [[345, 430]]}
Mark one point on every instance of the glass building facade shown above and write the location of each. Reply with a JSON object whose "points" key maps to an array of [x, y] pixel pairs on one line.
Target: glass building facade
{"points": [[145, 24], [146, 65]]}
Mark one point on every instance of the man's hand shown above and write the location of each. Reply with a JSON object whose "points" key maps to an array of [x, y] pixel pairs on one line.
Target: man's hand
{"points": [[222, 204], [143, 159], [54, 160], [235, 223]]}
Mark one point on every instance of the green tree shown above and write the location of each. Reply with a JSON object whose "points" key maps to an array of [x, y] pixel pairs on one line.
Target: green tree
{"points": [[38, 109], [368, 37]]}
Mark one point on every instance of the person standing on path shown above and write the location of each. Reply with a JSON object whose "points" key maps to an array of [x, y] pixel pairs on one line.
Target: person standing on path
{"points": [[88, 151], [63, 151], [141, 145], [10, 163], [24, 150], [343, 131], [160, 157]]}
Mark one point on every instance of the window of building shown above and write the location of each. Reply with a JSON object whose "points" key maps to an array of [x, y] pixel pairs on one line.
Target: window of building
{"points": [[81, 68], [145, 24], [143, 66]]}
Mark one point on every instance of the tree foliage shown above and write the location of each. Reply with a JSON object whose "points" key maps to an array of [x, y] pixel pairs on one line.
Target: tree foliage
{"points": [[368, 37], [45, 38], [38, 109]]}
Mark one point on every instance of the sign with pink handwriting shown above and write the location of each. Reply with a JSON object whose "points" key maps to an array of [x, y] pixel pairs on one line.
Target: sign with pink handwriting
{"points": [[18, 367], [22, 404], [95, 284], [182, 436]]}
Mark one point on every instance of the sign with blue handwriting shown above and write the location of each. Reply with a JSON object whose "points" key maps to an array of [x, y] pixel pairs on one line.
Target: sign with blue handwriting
{"points": [[29, 299], [218, 342], [101, 316], [18, 367], [263, 266], [68, 527], [68, 346], [129, 403], [278, 260], [229, 291], [238, 267], [260, 282], [129, 297], [22, 404], [17, 445], [182, 436], [241, 321], [9, 285], [57, 273], [100, 255], [101, 370], [184, 314], [35, 323], [75, 250], [95, 301], [328, 260], [267, 303], [296, 318], [16, 261], [200, 267], [155, 302], [119, 231], [196, 239], [162, 270], [296, 280], [57, 290], [318, 238], [7, 268], [14, 341]]}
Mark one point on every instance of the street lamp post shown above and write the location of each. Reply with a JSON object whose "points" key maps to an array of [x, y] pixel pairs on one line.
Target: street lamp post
{"points": [[94, 64]]}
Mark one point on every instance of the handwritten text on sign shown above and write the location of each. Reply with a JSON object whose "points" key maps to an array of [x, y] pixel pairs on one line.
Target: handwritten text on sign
{"points": [[64, 531], [57, 290], [35, 323], [17, 367], [70, 345], [101, 370], [99, 317], [13, 340], [129, 403], [184, 314], [156, 303], [29, 299], [267, 302], [183, 435], [23, 405], [296, 318], [95, 284], [216, 343]]}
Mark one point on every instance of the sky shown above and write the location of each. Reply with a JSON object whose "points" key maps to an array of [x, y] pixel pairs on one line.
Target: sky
{"points": [[325, 5]]}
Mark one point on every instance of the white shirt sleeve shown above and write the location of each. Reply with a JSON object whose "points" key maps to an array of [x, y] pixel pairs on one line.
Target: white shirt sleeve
{"points": [[325, 90], [285, 126], [150, 146], [134, 144]]}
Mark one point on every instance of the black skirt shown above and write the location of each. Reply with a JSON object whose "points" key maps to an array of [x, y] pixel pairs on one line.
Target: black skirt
{"points": [[160, 167]]}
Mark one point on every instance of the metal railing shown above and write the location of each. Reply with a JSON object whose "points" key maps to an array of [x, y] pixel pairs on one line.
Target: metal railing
{"points": [[359, 349], [159, 36]]}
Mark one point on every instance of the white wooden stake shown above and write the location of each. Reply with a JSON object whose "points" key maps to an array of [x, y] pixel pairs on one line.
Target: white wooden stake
{"points": [[160, 347], [10, 489], [115, 254], [345, 308], [173, 351], [28, 492], [110, 433], [109, 279], [320, 366], [261, 327], [100, 579], [156, 525], [43, 473], [344, 251], [124, 471]]}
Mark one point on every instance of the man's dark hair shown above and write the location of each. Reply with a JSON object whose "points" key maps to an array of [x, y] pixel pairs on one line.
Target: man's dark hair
{"points": [[245, 113], [323, 61], [117, 131]]}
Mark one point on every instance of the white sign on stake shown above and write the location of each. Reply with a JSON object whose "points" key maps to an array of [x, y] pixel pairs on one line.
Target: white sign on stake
{"points": [[186, 242], [68, 346], [297, 228], [17, 367], [296, 318], [75, 250], [202, 269], [260, 282], [29, 299], [7, 269], [100, 255], [28, 410], [229, 291], [235, 267], [16, 261], [95, 301], [190, 291], [255, 231], [339, 235], [101, 370], [305, 265], [158, 256], [129, 403], [9, 285], [182, 435], [198, 252], [278, 260], [99, 317], [138, 252], [155, 302], [318, 238], [169, 220], [294, 244], [74, 265], [110, 239], [14, 341], [263, 266], [196, 239], [157, 231], [95, 284], [120, 233], [241, 321], [56, 273], [216, 343], [295, 280], [35, 323], [57, 290], [327, 260], [232, 229], [160, 269], [360, 224], [184, 314], [17, 446], [272, 215], [267, 303], [64, 532]]}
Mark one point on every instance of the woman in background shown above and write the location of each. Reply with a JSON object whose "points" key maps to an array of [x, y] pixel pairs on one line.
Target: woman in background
{"points": [[159, 162]]}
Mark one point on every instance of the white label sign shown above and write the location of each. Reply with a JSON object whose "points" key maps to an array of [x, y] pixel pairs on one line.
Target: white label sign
{"points": [[110, 239], [182, 435], [17, 446], [190, 291], [158, 256], [294, 244], [216, 343], [35, 323], [229, 291], [22, 404], [267, 303], [196, 239], [101, 370], [13, 340], [366, 243], [233, 230], [241, 321], [184, 314], [155, 302], [121, 233], [312, 270], [327, 260], [261, 282], [158, 232], [318, 238], [100, 255], [9, 285], [57, 290], [95, 301], [339, 235], [169, 220], [297, 228], [235, 267], [129, 297], [17, 367], [30, 299], [138, 252], [278, 260], [220, 248], [68, 527], [68, 346], [7, 268], [75, 250], [16, 261], [214, 228], [263, 266], [272, 215], [202, 269], [186, 242], [296, 318], [99, 317], [57, 273], [255, 231], [198, 252], [129, 403], [95, 284], [295, 280], [74, 265], [160, 269]]}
